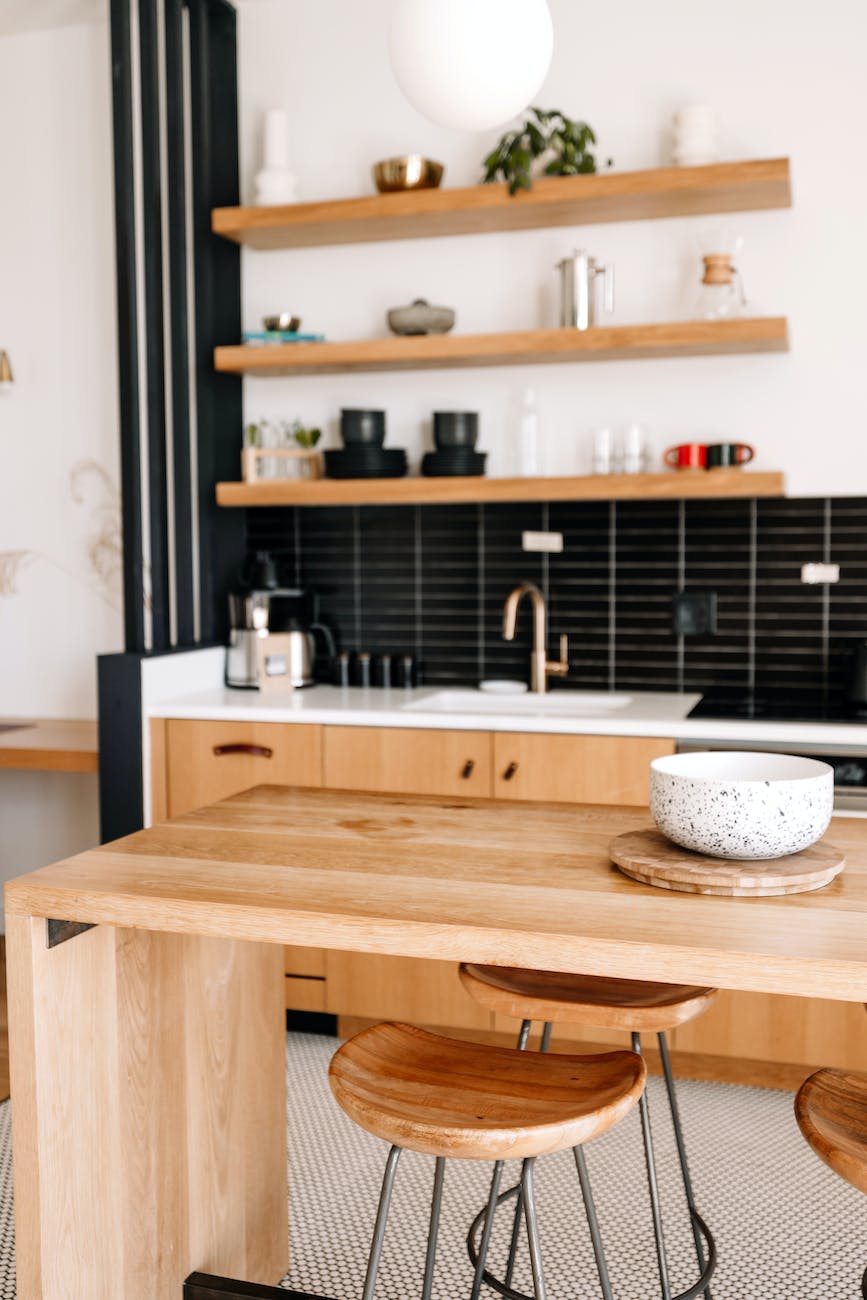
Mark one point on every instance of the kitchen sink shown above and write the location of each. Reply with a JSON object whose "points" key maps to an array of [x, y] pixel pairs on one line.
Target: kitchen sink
{"points": [[558, 704]]}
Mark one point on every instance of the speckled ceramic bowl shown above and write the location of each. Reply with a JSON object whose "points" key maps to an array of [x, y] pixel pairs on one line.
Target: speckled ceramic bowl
{"points": [[741, 804]]}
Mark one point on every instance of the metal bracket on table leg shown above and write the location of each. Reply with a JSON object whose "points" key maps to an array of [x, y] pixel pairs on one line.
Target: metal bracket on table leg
{"points": [[202, 1286], [60, 931]]}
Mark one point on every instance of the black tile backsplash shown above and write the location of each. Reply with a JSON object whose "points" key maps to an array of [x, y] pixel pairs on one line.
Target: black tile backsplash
{"points": [[431, 581]]}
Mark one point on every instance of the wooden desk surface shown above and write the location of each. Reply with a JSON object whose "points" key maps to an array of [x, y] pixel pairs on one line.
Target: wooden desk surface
{"points": [[477, 880], [48, 745]]}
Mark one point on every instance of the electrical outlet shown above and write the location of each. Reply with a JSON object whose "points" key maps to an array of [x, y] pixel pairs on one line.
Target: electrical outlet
{"points": [[813, 574], [694, 613], [550, 542]]}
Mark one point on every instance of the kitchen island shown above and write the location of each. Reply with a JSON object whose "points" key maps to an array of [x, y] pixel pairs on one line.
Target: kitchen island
{"points": [[148, 1075]]}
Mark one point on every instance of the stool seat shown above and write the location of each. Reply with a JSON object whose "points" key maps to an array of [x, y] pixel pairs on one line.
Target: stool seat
{"points": [[447, 1097], [831, 1110], [635, 1005]]}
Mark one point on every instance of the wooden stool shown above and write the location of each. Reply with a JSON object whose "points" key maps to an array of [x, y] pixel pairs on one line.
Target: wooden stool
{"points": [[636, 1006], [449, 1098], [831, 1110]]}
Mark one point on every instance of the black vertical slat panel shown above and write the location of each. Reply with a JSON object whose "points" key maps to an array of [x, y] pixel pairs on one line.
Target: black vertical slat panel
{"points": [[177, 261], [214, 97], [125, 252], [153, 291]]}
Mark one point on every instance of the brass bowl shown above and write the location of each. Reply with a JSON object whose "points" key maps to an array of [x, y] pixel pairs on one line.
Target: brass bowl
{"points": [[283, 321], [411, 172]]}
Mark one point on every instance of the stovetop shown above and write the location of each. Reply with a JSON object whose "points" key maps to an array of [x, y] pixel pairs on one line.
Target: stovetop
{"points": [[780, 708]]}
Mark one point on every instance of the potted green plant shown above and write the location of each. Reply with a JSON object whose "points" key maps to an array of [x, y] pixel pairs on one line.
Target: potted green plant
{"points": [[278, 449], [563, 145]]}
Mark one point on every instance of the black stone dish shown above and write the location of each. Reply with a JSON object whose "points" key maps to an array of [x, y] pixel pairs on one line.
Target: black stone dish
{"points": [[455, 429], [373, 462], [360, 428], [456, 464]]}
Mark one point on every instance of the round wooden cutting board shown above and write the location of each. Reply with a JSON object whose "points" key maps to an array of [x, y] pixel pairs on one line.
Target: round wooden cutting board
{"points": [[650, 857]]}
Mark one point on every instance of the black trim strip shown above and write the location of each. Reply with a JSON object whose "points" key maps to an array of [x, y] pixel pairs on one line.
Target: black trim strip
{"points": [[125, 253], [178, 320], [214, 106], [154, 341]]}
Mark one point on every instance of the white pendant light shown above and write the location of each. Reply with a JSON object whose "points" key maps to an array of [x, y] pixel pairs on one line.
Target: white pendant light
{"points": [[470, 64]]}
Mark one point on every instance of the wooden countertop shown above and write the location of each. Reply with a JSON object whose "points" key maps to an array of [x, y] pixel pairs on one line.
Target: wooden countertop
{"points": [[476, 880], [48, 745]]}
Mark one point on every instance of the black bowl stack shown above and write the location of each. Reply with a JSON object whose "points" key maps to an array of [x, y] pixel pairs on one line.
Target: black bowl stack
{"points": [[455, 434], [363, 455]]}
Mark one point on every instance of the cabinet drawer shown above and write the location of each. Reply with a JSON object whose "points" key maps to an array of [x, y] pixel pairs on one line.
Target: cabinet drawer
{"points": [[575, 769], [207, 761], [407, 761]]}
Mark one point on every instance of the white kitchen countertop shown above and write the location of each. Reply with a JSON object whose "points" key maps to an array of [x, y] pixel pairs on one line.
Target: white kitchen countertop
{"points": [[650, 714]]}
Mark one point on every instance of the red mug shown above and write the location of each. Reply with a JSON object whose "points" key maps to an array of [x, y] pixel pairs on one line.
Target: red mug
{"points": [[688, 455]]}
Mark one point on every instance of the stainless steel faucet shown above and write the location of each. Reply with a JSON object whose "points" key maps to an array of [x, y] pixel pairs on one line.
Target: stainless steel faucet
{"points": [[541, 668]]}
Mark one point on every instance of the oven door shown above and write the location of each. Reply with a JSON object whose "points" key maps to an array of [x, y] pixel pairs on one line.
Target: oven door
{"points": [[848, 761]]}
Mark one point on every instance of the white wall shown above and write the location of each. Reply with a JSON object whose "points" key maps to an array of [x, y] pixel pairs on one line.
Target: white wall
{"points": [[786, 77], [59, 515]]}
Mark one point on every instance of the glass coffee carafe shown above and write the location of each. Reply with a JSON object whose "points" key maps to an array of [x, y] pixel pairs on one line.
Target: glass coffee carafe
{"points": [[721, 295]]}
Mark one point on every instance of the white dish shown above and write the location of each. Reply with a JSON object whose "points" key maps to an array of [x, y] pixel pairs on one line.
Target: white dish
{"points": [[746, 805], [501, 686]]}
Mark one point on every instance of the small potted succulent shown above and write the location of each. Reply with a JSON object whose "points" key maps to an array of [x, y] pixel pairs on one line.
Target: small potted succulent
{"points": [[279, 449], [563, 146]]}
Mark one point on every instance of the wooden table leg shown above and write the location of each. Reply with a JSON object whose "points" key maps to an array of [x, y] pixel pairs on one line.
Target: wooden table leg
{"points": [[149, 1111]]}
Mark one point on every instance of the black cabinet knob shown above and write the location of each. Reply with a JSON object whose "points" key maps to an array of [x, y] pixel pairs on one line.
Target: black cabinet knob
{"points": [[510, 771], [467, 769]]}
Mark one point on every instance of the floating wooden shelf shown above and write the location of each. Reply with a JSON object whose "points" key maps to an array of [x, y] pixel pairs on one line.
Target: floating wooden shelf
{"points": [[672, 486], [48, 745], [554, 201], [519, 348]]}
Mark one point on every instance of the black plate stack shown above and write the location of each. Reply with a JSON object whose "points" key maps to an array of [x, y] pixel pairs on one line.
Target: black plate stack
{"points": [[455, 434], [363, 455]]}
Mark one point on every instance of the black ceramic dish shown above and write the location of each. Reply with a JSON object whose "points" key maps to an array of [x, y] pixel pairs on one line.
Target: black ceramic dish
{"points": [[362, 428], [438, 464], [376, 463], [455, 429]]}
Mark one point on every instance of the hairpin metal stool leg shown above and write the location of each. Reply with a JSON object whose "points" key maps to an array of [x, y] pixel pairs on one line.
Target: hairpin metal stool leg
{"points": [[593, 1223], [544, 1045], [700, 1230], [488, 1214], [505, 1287], [644, 1111], [433, 1230], [480, 1259], [529, 1199], [381, 1221]]}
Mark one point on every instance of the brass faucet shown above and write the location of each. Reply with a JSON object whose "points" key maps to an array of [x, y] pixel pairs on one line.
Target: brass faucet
{"points": [[541, 668]]}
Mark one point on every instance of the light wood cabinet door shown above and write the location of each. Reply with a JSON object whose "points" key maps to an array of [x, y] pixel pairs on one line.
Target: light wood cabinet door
{"points": [[207, 761], [400, 760], [305, 978], [812, 1032], [575, 769], [414, 989]]}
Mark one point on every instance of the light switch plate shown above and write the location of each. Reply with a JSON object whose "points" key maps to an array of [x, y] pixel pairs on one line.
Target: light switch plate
{"points": [[550, 542]]}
